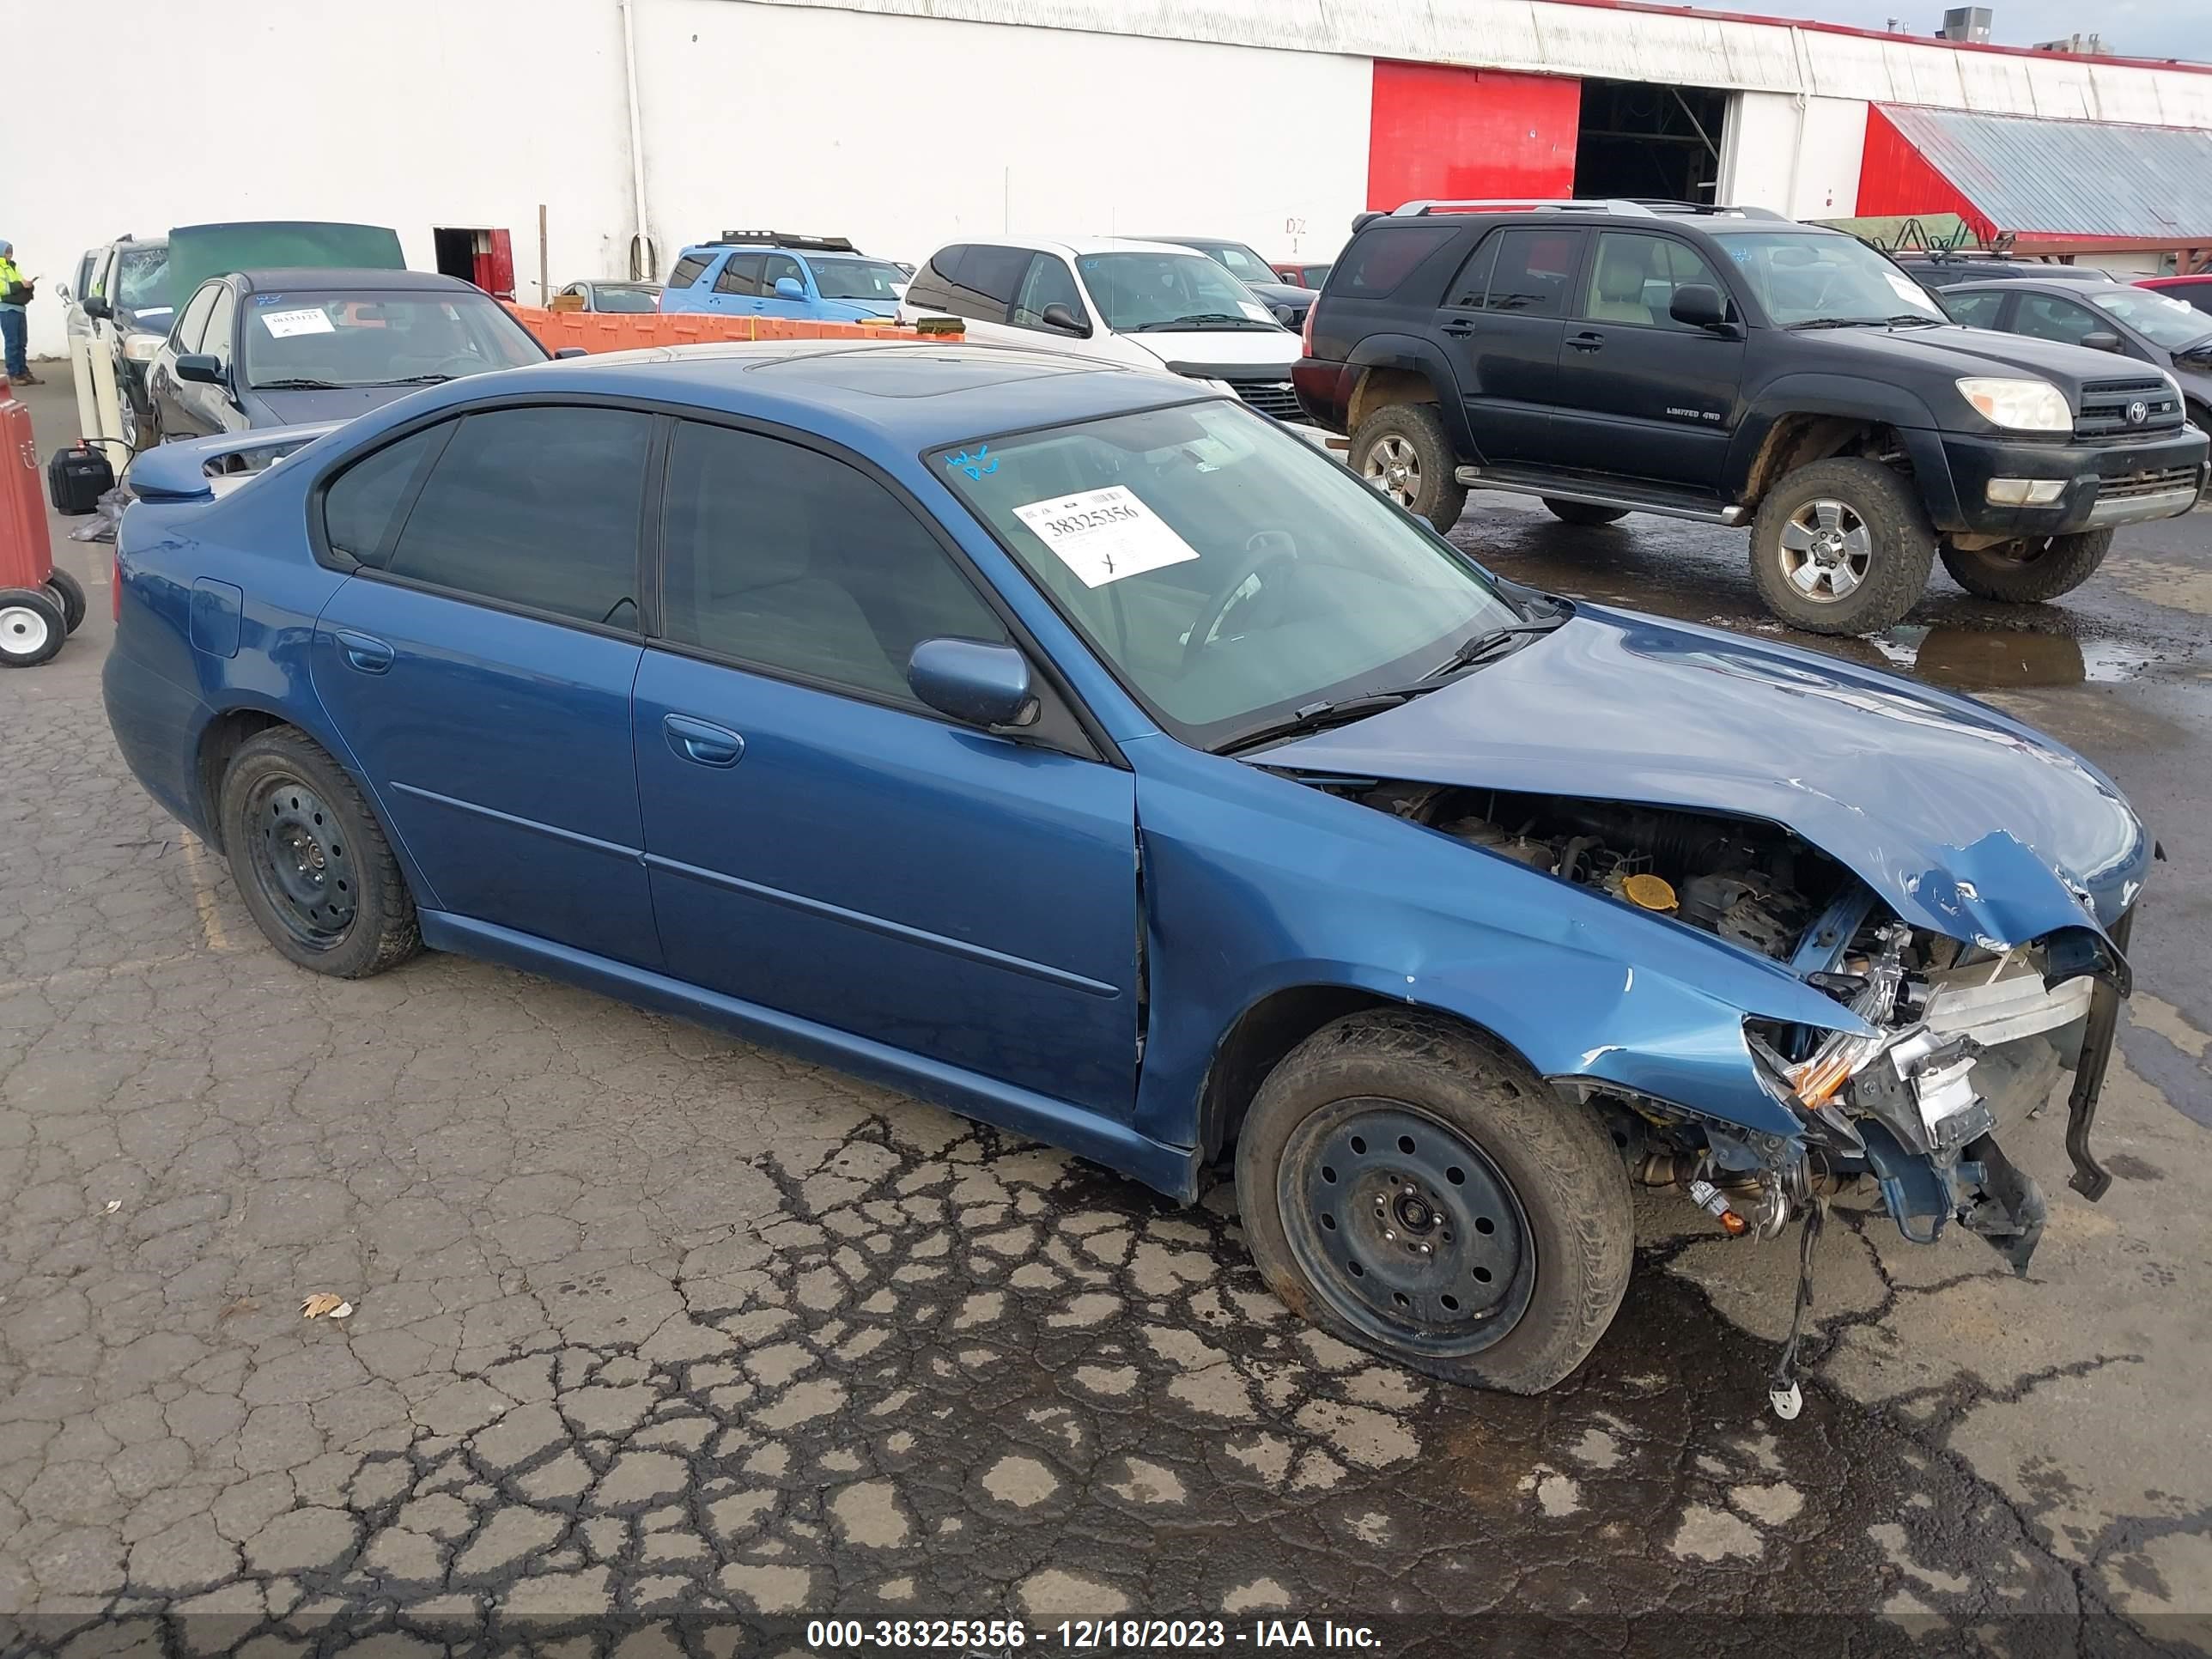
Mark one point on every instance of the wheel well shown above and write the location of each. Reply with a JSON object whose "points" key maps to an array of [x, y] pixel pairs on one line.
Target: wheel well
{"points": [[224, 736], [1269, 1030], [1380, 387], [1797, 440]]}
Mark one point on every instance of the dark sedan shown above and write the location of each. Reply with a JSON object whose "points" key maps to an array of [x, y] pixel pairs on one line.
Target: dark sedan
{"points": [[1289, 304], [2116, 317], [277, 348]]}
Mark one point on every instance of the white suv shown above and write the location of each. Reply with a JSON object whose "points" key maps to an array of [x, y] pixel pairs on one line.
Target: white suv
{"points": [[1143, 305]]}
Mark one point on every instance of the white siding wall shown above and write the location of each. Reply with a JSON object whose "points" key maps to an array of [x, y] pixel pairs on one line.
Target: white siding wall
{"points": [[905, 134], [1805, 164]]}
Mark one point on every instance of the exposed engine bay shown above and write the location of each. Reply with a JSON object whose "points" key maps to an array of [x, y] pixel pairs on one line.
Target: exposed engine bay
{"points": [[1942, 1041]]}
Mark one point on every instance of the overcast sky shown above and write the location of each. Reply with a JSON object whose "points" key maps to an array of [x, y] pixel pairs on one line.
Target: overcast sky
{"points": [[2140, 28]]}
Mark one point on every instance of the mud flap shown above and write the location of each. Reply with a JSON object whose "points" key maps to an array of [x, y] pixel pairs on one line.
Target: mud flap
{"points": [[2009, 1211]]}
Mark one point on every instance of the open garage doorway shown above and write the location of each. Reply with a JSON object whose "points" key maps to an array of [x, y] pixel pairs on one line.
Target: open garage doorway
{"points": [[484, 256], [1640, 139]]}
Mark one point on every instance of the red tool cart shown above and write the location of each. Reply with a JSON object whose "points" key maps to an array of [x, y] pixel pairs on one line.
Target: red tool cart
{"points": [[39, 605]]}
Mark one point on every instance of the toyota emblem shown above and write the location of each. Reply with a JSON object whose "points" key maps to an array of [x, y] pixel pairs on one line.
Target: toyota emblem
{"points": [[2138, 412]]}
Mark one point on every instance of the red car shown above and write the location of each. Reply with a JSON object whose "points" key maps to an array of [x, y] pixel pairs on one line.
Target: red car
{"points": [[2191, 290], [1304, 275]]}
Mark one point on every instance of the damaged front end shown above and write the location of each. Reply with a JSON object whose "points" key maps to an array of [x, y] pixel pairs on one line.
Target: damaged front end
{"points": [[1938, 1043]]}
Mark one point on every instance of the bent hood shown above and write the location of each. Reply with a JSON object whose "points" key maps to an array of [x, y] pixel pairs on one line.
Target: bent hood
{"points": [[337, 404], [1965, 821]]}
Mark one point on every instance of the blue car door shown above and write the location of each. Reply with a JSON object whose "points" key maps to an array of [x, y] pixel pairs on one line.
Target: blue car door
{"points": [[478, 664], [782, 267], [821, 844], [737, 286]]}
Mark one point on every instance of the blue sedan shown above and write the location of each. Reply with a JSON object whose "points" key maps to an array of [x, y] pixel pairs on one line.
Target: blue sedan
{"points": [[1074, 748]]}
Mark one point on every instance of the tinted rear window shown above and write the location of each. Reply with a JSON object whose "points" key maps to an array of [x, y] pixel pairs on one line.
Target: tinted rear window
{"points": [[1384, 258]]}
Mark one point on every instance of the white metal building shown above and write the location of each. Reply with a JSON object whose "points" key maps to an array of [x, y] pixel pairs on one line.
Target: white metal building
{"points": [[907, 123]]}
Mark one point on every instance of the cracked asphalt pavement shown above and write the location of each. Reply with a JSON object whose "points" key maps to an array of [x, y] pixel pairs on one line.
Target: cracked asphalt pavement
{"points": [[647, 1322]]}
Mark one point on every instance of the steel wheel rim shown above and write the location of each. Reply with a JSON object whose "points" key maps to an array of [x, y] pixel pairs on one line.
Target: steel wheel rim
{"points": [[1827, 551], [1394, 468], [1427, 1251], [298, 856], [23, 631]]}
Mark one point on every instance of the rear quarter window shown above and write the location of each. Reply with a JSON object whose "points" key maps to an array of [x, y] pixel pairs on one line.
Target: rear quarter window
{"points": [[1384, 258], [687, 271]]}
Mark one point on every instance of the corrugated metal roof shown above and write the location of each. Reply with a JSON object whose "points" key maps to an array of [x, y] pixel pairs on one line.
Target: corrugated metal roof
{"points": [[2070, 178]]}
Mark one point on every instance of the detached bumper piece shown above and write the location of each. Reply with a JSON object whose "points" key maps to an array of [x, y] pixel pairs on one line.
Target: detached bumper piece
{"points": [[2091, 1178], [1929, 1142]]}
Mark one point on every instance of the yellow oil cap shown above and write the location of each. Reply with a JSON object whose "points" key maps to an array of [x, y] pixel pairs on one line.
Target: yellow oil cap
{"points": [[1652, 892]]}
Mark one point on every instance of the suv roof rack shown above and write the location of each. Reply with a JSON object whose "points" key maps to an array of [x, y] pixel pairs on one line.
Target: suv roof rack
{"points": [[785, 239], [1628, 207]]}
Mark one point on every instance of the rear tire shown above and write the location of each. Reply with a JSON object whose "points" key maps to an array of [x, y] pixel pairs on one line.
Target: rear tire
{"points": [[311, 860], [1582, 511], [1410, 1188], [2030, 570], [1403, 450], [1842, 547], [68, 592], [32, 626]]}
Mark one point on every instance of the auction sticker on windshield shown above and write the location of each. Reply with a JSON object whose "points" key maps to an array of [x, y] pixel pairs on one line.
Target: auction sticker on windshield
{"points": [[285, 323], [1103, 535]]}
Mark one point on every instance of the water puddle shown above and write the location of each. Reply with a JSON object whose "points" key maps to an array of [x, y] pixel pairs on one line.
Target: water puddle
{"points": [[1977, 660]]}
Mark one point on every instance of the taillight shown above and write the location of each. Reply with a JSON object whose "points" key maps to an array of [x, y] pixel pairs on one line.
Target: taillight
{"points": [[1305, 334], [115, 591]]}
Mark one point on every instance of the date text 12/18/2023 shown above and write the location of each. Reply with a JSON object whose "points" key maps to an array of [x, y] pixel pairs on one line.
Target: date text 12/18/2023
{"points": [[982, 1637]]}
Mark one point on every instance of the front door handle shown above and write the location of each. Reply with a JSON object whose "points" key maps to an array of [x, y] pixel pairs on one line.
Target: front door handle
{"points": [[697, 740], [1459, 328], [364, 650], [1587, 341]]}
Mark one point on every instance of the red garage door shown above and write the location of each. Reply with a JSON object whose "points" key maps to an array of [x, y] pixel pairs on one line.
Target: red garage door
{"points": [[1440, 132]]}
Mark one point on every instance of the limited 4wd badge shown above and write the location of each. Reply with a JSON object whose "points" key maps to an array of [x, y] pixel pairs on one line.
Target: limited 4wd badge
{"points": [[1103, 535]]}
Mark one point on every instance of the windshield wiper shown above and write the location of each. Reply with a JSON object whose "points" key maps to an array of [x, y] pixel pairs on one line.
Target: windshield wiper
{"points": [[295, 386], [1205, 319], [1916, 320], [1475, 646], [1836, 322], [1318, 716], [410, 379]]}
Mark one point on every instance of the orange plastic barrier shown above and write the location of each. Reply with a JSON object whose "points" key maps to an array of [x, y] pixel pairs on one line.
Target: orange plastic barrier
{"points": [[601, 331]]}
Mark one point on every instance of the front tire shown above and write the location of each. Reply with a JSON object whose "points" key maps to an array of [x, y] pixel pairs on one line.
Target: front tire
{"points": [[1842, 547], [2030, 570], [32, 626], [1582, 513], [1410, 1188], [1403, 450], [311, 860]]}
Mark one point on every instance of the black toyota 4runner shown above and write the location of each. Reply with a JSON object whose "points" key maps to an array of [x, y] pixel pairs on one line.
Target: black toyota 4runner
{"points": [[1730, 366]]}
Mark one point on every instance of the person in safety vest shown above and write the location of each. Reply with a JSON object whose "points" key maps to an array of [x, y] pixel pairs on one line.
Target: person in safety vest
{"points": [[17, 291]]}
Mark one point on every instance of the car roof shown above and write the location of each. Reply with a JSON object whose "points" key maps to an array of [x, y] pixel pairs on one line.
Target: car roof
{"points": [[901, 396], [2071, 290], [1074, 247], [319, 279]]}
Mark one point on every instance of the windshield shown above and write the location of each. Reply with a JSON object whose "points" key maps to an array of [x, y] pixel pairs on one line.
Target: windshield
{"points": [[1242, 262], [858, 279], [305, 341], [626, 299], [1228, 573], [1809, 277], [2162, 321], [1139, 291], [142, 277]]}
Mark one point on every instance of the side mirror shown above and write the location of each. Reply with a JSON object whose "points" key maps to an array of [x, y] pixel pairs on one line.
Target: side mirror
{"points": [[2103, 340], [1063, 319], [1699, 304], [95, 307], [200, 367], [977, 684], [790, 287], [63, 288]]}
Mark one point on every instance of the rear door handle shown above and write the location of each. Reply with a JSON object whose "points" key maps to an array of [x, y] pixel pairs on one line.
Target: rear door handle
{"points": [[1587, 341], [697, 740], [364, 650], [1459, 328]]}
